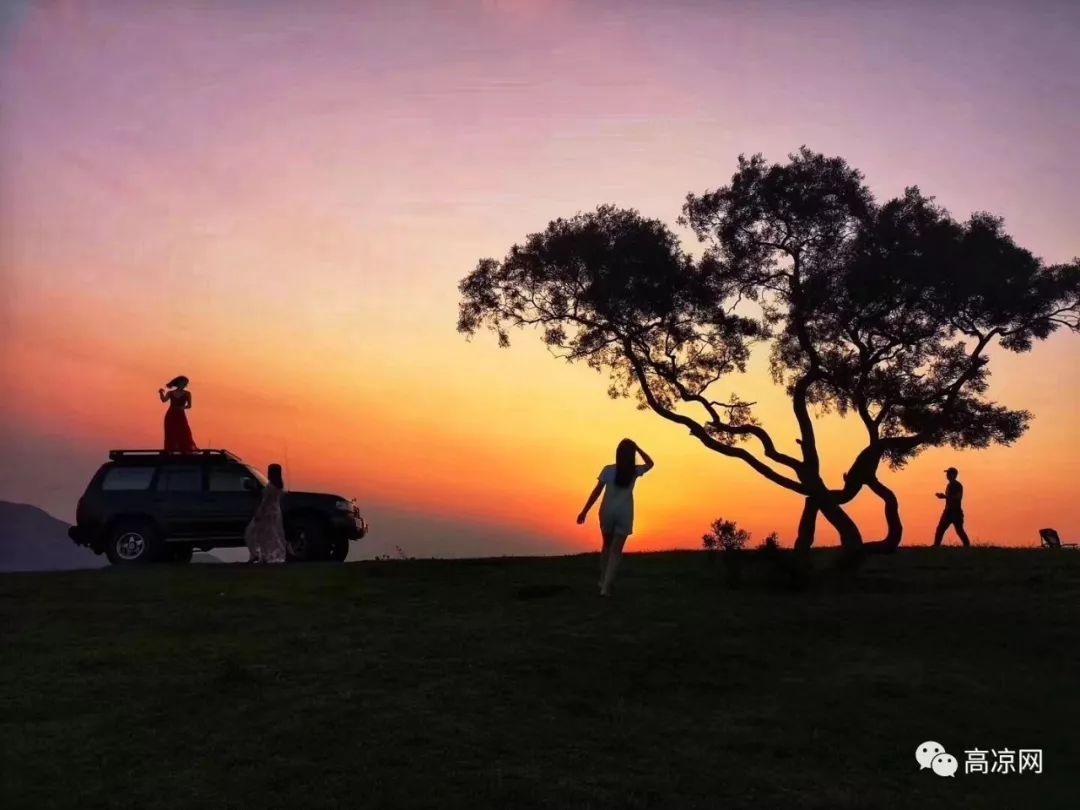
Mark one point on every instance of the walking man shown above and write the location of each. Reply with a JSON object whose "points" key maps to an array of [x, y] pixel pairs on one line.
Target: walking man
{"points": [[954, 510]]}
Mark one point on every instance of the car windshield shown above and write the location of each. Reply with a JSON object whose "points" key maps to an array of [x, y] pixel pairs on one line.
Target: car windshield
{"points": [[258, 475]]}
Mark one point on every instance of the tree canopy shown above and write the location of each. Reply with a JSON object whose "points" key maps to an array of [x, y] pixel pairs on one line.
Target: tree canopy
{"points": [[882, 311]]}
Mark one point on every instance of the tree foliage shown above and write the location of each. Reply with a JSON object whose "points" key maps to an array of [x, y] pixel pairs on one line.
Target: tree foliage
{"points": [[725, 535]]}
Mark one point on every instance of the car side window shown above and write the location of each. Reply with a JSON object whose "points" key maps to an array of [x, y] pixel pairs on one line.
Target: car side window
{"points": [[230, 479], [179, 479], [128, 478]]}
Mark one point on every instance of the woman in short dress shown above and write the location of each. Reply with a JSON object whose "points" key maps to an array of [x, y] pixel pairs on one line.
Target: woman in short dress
{"points": [[616, 482], [265, 534]]}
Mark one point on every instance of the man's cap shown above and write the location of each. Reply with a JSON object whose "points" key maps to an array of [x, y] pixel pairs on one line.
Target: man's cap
{"points": [[952, 470]]}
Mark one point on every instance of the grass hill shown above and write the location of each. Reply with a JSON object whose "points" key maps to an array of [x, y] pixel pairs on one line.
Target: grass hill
{"points": [[508, 683]]}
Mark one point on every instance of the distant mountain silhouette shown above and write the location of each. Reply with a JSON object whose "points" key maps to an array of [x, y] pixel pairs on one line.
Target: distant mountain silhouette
{"points": [[33, 540]]}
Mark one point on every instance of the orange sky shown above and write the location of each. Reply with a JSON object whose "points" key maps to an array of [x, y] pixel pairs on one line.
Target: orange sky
{"points": [[280, 207]]}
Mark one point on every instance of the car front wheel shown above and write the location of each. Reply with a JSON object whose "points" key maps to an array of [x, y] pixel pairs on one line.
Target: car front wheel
{"points": [[132, 542], [339, 549], [305, 539]]}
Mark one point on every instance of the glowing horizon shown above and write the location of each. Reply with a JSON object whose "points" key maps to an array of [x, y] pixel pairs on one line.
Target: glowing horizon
{"points": [[280, 205]]}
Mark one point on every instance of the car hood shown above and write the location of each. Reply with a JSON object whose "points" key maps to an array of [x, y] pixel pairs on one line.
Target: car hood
{"points": [[313, 497]]}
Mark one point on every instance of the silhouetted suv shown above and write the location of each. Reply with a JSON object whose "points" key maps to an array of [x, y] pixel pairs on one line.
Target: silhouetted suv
{"points": [[147, 505]]}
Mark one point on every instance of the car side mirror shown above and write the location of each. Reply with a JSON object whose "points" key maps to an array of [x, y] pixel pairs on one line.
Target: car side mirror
{"points": [[251, 485]]}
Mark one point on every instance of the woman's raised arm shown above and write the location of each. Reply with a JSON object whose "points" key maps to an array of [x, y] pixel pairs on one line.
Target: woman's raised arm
{"points": [[645, 457]]}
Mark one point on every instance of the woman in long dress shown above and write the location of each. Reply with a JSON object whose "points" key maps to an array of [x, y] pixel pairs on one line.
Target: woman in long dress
{"points": [[616, 482], [265, 534], [178, 437]]}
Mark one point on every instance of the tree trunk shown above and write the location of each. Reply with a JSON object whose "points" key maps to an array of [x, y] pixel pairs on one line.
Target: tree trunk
{"points": [[807, 523], [850, 536], [895, 530]]}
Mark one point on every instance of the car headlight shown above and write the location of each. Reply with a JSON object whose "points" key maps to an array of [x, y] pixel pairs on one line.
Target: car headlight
{"points": [[344, 506]]}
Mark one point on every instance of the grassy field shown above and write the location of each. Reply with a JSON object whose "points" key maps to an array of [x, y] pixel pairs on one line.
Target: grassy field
{"points": [[509, 683]]}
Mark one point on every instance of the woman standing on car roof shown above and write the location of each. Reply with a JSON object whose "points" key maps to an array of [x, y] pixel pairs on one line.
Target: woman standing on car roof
{"points": [[178, 437]]}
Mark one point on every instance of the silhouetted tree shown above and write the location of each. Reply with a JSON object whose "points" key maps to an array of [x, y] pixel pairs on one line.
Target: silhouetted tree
{"points": [[725, 535], [770, 543], [883, 311]]}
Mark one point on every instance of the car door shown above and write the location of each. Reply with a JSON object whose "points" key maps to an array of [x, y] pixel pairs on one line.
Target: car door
{"points": [[180, 498], [233, 494], [126, 490]]}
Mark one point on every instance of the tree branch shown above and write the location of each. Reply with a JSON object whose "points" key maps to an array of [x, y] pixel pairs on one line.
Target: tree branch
{"points": [[735, 430], [802, 386], [699, 432]]}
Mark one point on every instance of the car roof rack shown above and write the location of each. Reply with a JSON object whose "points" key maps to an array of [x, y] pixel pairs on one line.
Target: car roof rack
{"points": [[117, 455]]}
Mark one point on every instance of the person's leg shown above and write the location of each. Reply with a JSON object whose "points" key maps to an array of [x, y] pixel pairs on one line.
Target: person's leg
{"points": [[252, 543], [942, 525], [958, 524], [614, 554], [604, 549]]}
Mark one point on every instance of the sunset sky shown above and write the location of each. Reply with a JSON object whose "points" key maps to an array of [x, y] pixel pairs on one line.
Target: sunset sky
{"points": [[279, 199]]}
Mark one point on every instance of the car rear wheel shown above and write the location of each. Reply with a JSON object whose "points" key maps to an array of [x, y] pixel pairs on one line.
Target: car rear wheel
{"points": [[132, 542], [305, 539]]}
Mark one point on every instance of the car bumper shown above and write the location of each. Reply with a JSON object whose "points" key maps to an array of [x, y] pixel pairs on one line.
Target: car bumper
{"points": [[351, 526]]}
